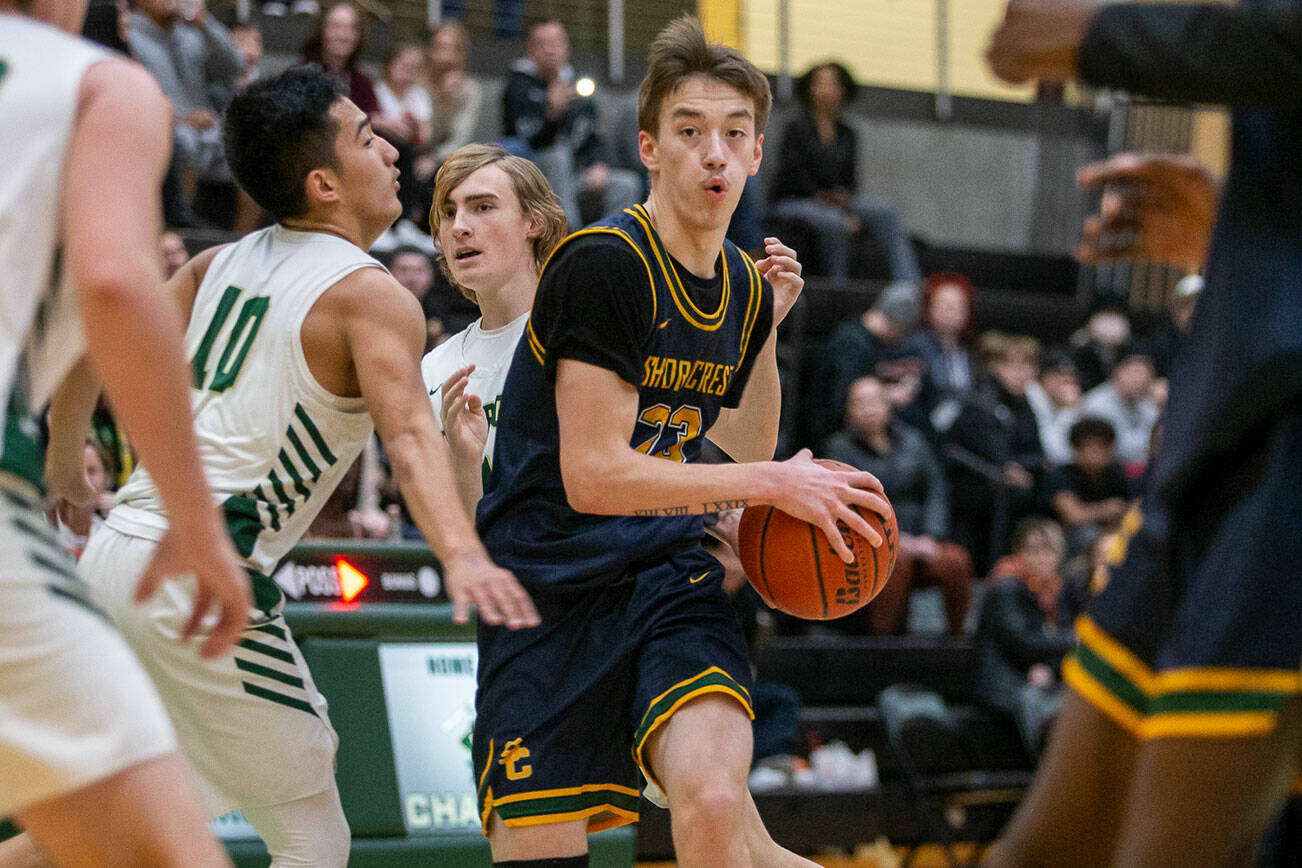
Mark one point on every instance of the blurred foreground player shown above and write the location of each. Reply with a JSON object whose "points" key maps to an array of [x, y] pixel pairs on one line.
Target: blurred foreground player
{"points": [[88, 760], [1183, 731], [649, 331], [299, 341]]}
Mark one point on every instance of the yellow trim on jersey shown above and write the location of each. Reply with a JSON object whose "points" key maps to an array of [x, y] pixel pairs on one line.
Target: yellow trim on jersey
{"points": [[535, 345], [624, 816], [565, 791], [740, 694], [682, 300], [612, 230], [621, 818], [1211, 679], [1100, 697], [1195, 723], [753, 304]]}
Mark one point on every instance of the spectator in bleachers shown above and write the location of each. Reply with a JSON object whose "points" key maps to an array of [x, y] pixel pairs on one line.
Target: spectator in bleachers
{"points": [[248, 39], [1055, 398], [1091, 494], [901, 458], [335, 47], [858, 347], [413, 268], [1095, 345], [816, 181], [508, 16], [1125, 401], [173, 252], [74, 524], [405, 119], [993, 451], [1025, 626], [949, 372], [546, 120], [191, 57], [456, 98]]}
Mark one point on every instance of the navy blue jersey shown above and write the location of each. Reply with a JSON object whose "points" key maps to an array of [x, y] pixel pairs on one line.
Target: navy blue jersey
{"points": [[612, 296]]}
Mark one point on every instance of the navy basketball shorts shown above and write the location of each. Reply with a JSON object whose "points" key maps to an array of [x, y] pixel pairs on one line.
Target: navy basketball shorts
{"points": [[1198, 632], [564, 710]]}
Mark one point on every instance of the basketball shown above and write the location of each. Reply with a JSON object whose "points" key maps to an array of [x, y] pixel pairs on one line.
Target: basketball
{"points": [[795, 569]]}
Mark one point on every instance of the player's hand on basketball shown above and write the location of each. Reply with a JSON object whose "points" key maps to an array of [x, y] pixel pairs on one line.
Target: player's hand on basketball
{"points": [[823, 496], [782, 270], [222, 593], [1159, 207], [464, 420], [1039, 39], [474, 580]]}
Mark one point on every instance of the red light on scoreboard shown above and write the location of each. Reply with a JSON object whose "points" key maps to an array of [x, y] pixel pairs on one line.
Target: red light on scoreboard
{"points": [[352, 581]]}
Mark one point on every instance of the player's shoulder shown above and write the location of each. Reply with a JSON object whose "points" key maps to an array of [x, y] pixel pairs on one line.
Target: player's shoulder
{"points": [[440, 362], [371, 293], [121, 79]]}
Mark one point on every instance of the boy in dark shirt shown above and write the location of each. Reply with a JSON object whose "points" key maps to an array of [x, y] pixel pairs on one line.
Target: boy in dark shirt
{"points": [[1092, 491]]}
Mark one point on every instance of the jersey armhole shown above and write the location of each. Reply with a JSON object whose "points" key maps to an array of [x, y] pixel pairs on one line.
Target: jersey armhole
{"points": [[620, 233]]}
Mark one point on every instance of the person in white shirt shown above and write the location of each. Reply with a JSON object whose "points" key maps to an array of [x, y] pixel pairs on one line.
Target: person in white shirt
{"points": [[405, 107], [495, 220]]}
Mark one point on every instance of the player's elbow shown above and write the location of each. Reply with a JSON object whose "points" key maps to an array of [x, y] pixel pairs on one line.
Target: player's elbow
{"points": [[585, 489]]}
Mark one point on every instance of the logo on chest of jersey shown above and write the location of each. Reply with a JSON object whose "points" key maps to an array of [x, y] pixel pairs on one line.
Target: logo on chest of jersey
{"points": [[490, 412], [679, 375]]}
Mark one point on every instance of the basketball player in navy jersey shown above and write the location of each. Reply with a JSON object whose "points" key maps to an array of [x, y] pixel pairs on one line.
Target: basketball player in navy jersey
{"points": [[649, 331], [1182, 732]]}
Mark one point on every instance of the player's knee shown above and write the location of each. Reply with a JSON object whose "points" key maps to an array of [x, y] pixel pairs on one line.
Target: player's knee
{"points": [[708, 801]]}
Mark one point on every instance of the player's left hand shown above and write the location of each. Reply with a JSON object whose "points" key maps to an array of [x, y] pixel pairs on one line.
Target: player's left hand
{"points": [[1039, 39], [472, 579], [464, 420], [782, 270]]}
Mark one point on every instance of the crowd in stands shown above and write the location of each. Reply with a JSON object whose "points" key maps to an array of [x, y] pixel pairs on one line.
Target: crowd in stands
{"points": [[1007, 462]]}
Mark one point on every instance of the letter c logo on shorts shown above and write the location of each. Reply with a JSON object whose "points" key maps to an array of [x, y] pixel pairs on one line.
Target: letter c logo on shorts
{"points": [[512, 753]]}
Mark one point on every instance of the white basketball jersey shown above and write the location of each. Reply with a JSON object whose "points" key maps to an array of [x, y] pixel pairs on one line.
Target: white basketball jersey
{"points": [[491, 353], [40, 78], [274, 443]]}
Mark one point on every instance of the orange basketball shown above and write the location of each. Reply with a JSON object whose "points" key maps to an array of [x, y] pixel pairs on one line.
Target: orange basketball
{"points": [[795, 569]]}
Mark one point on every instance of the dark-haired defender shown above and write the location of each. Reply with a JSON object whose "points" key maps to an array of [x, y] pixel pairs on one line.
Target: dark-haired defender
{"points": [[297, 339], [648, 332]]}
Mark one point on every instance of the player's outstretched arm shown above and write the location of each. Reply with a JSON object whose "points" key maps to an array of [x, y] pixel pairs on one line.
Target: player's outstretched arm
{"points": [[604, 475], [111, 222], [385, 333]]}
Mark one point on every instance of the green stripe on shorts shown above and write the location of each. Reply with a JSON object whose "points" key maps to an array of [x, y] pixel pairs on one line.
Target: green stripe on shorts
{"points": [[565, 804], [280, 698], [267, 672]]}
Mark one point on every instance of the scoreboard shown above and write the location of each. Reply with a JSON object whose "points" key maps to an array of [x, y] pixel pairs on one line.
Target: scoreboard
{"points": [[353, 572]]}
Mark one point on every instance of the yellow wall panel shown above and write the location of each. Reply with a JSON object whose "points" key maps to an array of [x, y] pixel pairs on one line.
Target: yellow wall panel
{"points": [[886, 43]]}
